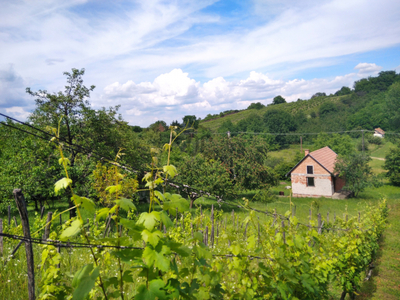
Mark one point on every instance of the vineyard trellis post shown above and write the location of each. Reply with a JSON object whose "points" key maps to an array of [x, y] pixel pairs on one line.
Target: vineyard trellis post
{"points": [[21, 205], [9, 215], [1, 237], [48, 223]]}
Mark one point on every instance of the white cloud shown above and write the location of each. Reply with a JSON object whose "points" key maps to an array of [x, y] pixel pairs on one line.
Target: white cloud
{"points": [[173, 95], [18, 112], [125, 46], [366, 69]]}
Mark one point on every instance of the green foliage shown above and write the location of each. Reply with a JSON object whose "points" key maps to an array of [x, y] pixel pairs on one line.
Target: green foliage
{"points": [[392, 165], [341, 144], [376, 140], [356, 171], [278, 100], [343, 91], [257, 105], [207, 174], [393, 105], [327, 108]]}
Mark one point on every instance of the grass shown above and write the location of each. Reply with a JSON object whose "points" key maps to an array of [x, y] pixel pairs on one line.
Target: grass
{"points": [[381, 150]]}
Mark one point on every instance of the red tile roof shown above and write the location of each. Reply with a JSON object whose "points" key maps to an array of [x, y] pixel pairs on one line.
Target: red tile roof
{"points": [[380, 131], [326, 157]]}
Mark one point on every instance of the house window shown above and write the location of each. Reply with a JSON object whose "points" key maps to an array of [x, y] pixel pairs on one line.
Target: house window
{"points": [[310, 181], [310, 170]]}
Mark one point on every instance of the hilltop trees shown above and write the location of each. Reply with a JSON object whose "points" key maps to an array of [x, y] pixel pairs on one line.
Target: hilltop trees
{"points": [[278, 100]]}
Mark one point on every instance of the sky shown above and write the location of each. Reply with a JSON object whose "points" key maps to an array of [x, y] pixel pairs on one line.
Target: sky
{"points": [[162, 60]]}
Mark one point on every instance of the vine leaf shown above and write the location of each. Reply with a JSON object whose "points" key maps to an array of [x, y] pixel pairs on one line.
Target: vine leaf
{"points": [[149, 220], [153, 292], [170, 170], [72, 230], [114, 188], [102, 213], [62, 184], [176, 202], [166, 219], [85, 203], [161, 262], [151, 237], [125, 204], [84, 281], [128, 255]]}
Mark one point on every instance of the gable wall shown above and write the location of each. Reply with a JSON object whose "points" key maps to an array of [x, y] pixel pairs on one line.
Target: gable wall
{"points": [[302, 168], [323, 183]]}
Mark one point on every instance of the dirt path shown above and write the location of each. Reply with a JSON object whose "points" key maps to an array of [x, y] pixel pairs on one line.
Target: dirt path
{"points": [[379, 158]]}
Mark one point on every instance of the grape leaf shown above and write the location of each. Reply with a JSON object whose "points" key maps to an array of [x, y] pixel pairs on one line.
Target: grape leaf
{"points": [[72, 230], [170, 170], [125, 204], [62, 184], [85, 203], [151, 237], [149, 220], [84, 281], [161, 262], [153, 292]]}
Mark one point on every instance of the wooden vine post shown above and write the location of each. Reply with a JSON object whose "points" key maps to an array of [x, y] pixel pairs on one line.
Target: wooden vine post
{"points": [[21, 205], [1, 238]]}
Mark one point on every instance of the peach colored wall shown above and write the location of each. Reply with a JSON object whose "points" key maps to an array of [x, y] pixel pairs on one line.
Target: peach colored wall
{"points": [[322, 180], [302, 168]]}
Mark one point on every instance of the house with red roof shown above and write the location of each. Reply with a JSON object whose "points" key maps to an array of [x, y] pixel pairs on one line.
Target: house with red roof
{"points": [[314, 175], [379, 132]]}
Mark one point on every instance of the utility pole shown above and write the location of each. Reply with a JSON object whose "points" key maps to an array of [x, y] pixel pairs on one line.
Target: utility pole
{"points": [[362, 140], [301, 144]]}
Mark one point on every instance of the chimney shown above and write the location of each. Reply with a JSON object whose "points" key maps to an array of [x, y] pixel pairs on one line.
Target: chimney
{"points": [[306, 151]]}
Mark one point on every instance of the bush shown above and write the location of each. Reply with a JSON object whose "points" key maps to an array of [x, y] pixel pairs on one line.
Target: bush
{"points": [[264, 196], [376, 140], [360, 145]]}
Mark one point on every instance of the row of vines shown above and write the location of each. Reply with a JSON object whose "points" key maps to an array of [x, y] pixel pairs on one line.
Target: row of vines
{"points": [[153, 255]]}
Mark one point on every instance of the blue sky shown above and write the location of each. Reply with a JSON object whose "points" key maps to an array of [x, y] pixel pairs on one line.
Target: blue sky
{"points": [[161, 60]]}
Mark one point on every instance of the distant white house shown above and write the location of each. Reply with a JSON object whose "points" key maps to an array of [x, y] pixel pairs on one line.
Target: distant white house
{"points": [[379, 132]]}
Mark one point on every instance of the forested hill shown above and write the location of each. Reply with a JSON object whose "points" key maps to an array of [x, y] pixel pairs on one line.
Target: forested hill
{"points": [[373, 102]]}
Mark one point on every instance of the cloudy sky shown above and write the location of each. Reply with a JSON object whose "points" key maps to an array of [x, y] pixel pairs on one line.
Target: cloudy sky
{"points": [[161, 60]]}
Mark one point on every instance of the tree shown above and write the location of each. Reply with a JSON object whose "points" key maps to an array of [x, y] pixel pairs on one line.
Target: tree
{"points": [[345, 90], [327, 108], [392, 165], [191, 121], [278, 100], [393, 105], [257, 105], [207, 174], [355, 170], [28, 163], [279, 121], [319, 94], [341, 144], [102, 130]]}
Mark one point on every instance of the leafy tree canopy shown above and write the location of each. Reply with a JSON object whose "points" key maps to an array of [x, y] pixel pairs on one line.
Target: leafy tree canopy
{"points": [[356, 171], [257, 105], [392, 165], [278, 100], [341, 144]]}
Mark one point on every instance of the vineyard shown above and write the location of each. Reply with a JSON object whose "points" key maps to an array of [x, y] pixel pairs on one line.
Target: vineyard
{"points": [[174, 252]]}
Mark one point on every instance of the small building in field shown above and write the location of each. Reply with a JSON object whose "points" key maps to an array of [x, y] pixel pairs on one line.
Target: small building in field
{"points": [[314, 175], [379, 132]]}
